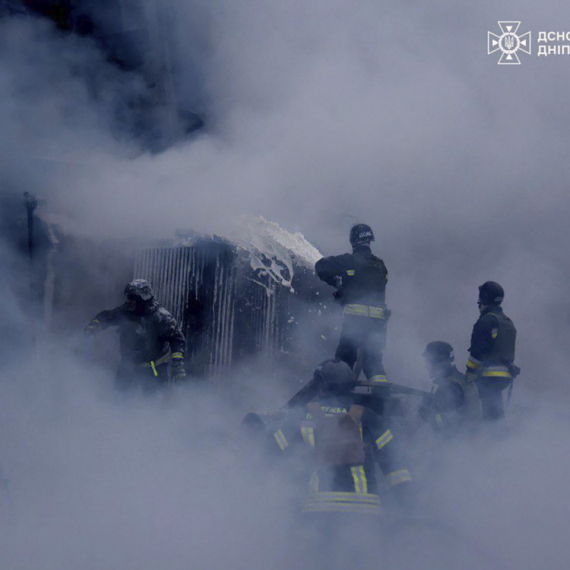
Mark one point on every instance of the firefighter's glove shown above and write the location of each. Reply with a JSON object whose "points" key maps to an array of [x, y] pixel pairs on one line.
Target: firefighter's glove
{"points": [[177, 371], [92, 328]]}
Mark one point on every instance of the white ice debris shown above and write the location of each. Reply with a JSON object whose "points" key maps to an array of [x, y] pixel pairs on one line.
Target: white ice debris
{"points": [[272, 249]]}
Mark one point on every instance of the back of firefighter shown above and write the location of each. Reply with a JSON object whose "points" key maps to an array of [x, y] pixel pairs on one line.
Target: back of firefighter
{"points": [[344, 440], [152, 345], [454, 403], [492, 351], [360, 278]]}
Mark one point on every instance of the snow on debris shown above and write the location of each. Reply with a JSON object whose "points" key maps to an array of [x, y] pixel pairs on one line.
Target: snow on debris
{"points": [[272, 249]]}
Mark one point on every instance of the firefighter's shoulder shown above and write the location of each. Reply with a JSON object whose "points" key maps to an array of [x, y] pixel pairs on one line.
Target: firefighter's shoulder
{"points": [[163, 314], [345, 258]]}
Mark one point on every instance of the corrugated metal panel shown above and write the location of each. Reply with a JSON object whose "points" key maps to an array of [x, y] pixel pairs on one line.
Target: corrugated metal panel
{"points": [[165, 269], [230, 312], [227, 310], [205, 274]]}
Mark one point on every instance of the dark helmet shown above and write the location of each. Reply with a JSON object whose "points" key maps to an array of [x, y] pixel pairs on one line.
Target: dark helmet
{"points": [[439, 352], [334, 376], [361, 234], [139, 289], [491, 293]]}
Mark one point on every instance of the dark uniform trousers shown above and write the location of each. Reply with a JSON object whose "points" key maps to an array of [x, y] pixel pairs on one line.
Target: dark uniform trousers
{"points": [[149, 378], [369, 335], [491, 395]]}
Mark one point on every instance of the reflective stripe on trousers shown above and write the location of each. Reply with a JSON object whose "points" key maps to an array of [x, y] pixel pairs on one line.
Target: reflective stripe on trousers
{"points": [[378, 378], [308, 434]]}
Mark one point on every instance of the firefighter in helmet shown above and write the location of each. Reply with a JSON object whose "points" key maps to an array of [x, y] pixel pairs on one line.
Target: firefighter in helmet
{"points": [[454, 402], [492, 351], [360, 279], [151, 342], [344, 439]]}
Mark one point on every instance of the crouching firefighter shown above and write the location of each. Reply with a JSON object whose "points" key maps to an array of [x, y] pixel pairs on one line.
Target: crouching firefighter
{"points": [[151, 343], [360, 278], [491, 363], [453, 404], [344, 440]]}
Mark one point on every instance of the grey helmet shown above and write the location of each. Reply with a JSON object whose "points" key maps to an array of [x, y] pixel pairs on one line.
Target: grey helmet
{"points": [[439, 352], [334, 376], [139, 289]]}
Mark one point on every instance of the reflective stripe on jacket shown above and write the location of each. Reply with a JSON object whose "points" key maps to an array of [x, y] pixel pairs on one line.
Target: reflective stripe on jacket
{"points": [[365, 311]]}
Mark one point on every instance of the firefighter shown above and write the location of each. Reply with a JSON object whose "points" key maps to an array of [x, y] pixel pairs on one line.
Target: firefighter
{"points": [[360, 279], [492, 351], [152, 345], [454, 402], [344, 439]]}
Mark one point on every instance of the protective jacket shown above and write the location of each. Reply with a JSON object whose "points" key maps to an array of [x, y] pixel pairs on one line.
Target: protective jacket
{"points": [[360, 277], [492, 345], [344, 441], [454, 401], [148, 339]]}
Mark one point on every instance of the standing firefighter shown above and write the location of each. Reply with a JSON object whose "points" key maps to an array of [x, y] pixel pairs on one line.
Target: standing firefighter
{"points": [[360, 278], [150, 339], [454, 402], [491, 364], [344, 440]]}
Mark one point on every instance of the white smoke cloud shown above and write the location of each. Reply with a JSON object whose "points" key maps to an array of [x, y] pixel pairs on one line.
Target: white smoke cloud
{"points": [[318, 116]]}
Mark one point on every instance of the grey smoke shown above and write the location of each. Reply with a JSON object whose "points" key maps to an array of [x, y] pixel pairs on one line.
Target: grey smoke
{"points": [[320, 114]]}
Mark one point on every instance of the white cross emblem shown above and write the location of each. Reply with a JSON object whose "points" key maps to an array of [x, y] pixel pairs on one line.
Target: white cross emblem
{"points": [[509, 42]]}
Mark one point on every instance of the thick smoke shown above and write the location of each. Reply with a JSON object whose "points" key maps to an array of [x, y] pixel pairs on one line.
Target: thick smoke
{"points": [[318, 115]]}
